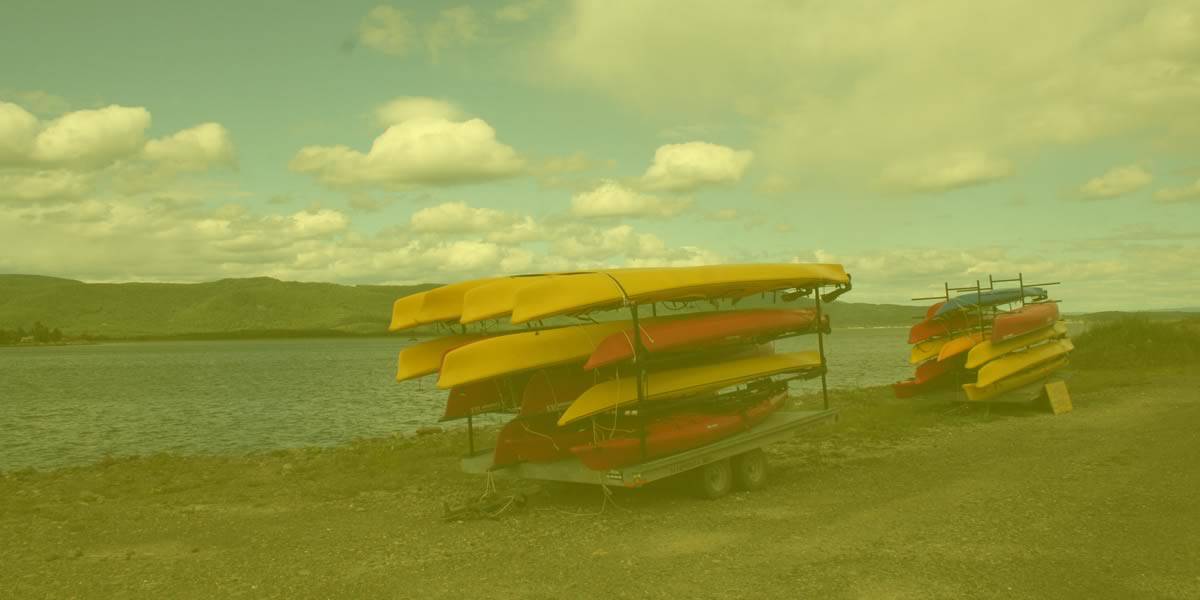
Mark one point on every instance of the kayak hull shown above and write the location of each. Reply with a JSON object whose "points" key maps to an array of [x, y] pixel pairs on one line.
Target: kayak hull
{"points": [[1041, 372], [675, 433], [1030, 317], [1016, 362], [704, 330], [989, 350]]}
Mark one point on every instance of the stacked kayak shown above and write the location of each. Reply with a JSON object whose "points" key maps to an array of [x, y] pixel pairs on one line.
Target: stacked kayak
{"points": [[603, 391], [958, 336]]}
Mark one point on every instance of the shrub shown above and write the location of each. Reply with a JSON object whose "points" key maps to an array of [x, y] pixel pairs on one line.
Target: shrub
{"points": [[1138, 342]]}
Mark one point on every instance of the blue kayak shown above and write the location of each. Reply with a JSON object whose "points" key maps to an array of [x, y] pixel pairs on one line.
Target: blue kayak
{"points": [[986, 298]]}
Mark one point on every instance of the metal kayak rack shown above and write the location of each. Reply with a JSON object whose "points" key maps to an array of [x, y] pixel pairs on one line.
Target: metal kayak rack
{"points": [[720, 464]]}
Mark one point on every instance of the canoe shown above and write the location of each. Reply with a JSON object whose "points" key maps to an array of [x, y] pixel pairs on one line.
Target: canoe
{"points": [[1041, 372], [536, 440], [929, 375], [989, 350], [528, 350], [959, 345], [704, 329], [580, 293], [923, 351], [1016, 362], [1030, 317], [675, 433], [933, 328], [425, 358], [441, 304], [986, 298], [494, 299], [662, 385]]}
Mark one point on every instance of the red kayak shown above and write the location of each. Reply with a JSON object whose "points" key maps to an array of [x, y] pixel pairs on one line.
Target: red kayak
{"points": [[929, 375], [551, 390], [931, 328], [675, 433], [704, 330], [1030, 317], [488, 395], [537, 439]]}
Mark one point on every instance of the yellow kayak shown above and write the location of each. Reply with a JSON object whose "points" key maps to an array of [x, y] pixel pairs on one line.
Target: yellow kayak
{"points": [[422, 359], [494, 299], [687, 380], [518, 352], [989, 350], [433, 306], [578, 293], [923, 351], [958, 345], [1016, 362], [976, 393]]}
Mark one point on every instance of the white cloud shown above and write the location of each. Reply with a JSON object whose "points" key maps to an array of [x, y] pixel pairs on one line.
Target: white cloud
{"points": [[518, 12], [386, 30], [1179, 194], [1118, 181], [18, 129], [611, 199], [868, 83], [458, 26], [36, 186], [193, 149], [458, 217], [92, 137], [318, 223], [424, 151], [689, 166], [409, 108], [945, 172]]}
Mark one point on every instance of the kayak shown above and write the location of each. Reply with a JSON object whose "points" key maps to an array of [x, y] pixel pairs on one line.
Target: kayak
{"points": [[958, 345], [528, 350], [1016, 362], [987, 298], [989, 350], [553, 389], [494, 299], [704, 329], [933, 328], [425, 358], [670, 383], [1030, 317], [929, 375], [580, 293], [923, 351], [976, 393], [536, 440], [439, 305], [482, 397], [675, 433]]}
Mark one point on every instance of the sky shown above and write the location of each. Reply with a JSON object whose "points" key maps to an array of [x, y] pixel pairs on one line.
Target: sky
{"points": [[357, 142]]}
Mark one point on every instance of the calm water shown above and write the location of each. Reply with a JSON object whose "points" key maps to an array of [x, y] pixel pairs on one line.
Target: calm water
{"points": [[75, 404]]}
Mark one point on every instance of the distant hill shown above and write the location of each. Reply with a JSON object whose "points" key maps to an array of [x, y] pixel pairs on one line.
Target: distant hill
{"points": [[269, 307], [163, 309]]}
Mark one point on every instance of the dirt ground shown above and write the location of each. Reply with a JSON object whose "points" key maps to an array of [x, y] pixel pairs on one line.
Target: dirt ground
{"points": [[900, 499]]}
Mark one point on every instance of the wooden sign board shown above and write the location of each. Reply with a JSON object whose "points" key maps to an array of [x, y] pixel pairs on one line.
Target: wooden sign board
{"points": [[1057, 397]]}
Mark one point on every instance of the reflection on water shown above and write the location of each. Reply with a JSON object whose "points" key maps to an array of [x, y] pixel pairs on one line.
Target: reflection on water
{"points": [[75, 404]]}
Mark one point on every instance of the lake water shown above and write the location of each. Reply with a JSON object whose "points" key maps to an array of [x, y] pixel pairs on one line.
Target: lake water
{"points": [[70, 405]]}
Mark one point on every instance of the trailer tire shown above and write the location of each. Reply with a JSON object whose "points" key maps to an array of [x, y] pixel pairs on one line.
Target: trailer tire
{"points": [[750, 470], [714, 479]]}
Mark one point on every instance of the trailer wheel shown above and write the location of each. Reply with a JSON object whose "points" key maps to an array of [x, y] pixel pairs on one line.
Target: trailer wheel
{"points": [[714, 479], [750, 469]]}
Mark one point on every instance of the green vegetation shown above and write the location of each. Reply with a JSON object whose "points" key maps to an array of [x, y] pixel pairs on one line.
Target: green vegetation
{"points": [[38, 334], [240, 307], [1138, 342]]}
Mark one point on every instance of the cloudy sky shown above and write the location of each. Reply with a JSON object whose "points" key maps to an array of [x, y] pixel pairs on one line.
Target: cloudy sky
{"points": [[359, 142]]}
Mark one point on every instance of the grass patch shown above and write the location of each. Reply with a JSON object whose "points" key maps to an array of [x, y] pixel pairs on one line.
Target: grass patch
{"points": [[1138, 342]]}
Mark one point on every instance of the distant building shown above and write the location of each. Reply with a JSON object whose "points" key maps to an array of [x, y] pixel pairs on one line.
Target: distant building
{"points": [[27, 339]]}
